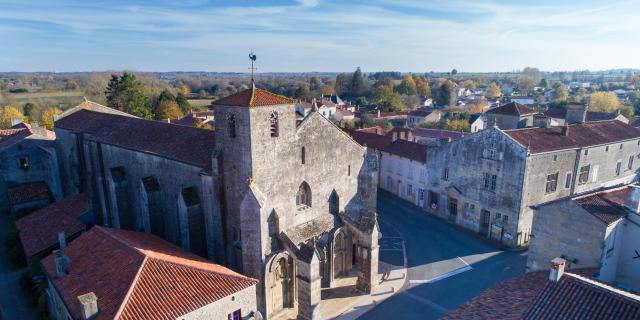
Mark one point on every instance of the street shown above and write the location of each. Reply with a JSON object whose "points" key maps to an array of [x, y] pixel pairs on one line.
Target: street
{"points": [[446, 265]]}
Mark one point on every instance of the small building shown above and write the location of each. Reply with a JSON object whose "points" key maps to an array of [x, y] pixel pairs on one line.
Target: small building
{"points": [[553, 294], [117, 274], [527, 101], [343, 115], [403, 171], [477, 122], [42, 231], [435, 136], [420, 116], [202, 119], [28, 197], [396, 118], [512, 115]]}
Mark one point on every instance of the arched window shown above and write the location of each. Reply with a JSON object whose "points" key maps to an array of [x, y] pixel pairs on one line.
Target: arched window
{"points": [[232, 125], [334, 203], [273, 120], [303, 198]]}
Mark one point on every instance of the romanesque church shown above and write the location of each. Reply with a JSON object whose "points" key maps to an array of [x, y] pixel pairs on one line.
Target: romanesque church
{"points": [[286, 199]]}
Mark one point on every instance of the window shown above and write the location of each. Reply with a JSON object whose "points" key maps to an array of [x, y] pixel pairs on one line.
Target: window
{"points": [[583, 177], [409, 189], [552, 183], [498, 217], [303, 198], [389, 183], [490, 181], [390, 165], [236, 315], [273, 121], [399, 168], [303, 155], [453, 206], [349, 170], [594, 175], [621, 146], [505, 218], [433, 200], [423, 174], [586, 152], [567, 180], [410, 172], [445, 174], [618, 166], [555, 157], [491, 154], [231, 123], [334, 203], [24, 163], [630, 163]]}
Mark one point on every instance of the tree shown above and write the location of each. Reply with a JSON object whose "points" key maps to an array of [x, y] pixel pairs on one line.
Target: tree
{"points": [[315, 83], [185, 90], [559, 95], [407, 86], [126, 93], [494, 91], [454, 72], [627, 111], [7, 114], [357, 83], [545, 83], [387, 99], [302, 92], [31, 110], [422, 86], [529, 77], [183, 103], [469, 84], [603, 102], [447, 94], [343, 84], [168, 109], [48, 117]]}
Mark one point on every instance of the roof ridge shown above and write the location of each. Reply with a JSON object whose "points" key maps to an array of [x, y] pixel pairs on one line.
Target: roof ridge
{"points": [[128, 244], [127, 296], [603, 286], [180, 263]]}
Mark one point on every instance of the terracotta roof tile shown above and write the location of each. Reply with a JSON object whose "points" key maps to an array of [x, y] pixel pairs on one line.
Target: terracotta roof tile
{"points": [[580, 135], [512, 109], [180, 143], [139, 276], [14, 134], [253, 97], [39, 230], [407, 149], [372, 140], [27, 192], [607, 206]]}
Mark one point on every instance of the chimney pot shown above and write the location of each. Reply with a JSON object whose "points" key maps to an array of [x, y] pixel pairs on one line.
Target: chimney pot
{"points": [[62, 262], [62, 240], [633, 200], [565, 130], [88, 305], [557, 269]]}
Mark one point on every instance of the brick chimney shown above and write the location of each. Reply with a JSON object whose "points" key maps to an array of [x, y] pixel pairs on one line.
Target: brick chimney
{"points": [[88, 305], [565, 130], [633, 199], [62, 262], [557, 269], [576, 113]]}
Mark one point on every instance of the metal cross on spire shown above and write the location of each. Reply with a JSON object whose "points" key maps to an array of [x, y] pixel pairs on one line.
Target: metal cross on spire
{"points": [[252, 57]]}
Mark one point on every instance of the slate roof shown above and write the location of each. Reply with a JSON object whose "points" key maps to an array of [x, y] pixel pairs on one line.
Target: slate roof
{"points": [[14, 134], [607, 206], [599, 116], [580, 135], [407, 149], [635, 121], [512, 109], [558, 113], [437, 133], [420, 113], [28, 192], [180, 143], [371, 140], [39, 230], [253, 97], [533, 296], [136, 275]]}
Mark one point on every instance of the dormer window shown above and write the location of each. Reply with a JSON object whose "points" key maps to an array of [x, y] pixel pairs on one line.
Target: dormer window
{"points": [[273, 120], [231, 123]]}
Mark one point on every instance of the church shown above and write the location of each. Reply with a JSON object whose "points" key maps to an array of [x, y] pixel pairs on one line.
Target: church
{"points": [[287, 200]]}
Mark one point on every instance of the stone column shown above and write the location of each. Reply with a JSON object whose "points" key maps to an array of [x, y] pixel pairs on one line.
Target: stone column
{"points": [[367, 268], [309, 288]]}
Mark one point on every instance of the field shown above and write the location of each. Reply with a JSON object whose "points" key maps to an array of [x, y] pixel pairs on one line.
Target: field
{"points": [[199, 104], [62, 99]]}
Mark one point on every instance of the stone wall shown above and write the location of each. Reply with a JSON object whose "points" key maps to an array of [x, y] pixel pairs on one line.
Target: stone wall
{"points": [[244, 300]]}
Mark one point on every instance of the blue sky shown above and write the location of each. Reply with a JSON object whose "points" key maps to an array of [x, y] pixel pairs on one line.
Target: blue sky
{"points": [[318, 35]]}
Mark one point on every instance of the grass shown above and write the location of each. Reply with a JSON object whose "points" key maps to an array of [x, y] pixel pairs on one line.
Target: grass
{"points": [[45, 99], [199, 104]]}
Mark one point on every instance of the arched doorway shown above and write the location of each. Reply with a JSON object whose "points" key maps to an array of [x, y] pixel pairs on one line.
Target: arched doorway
{"points": [[340, 255], [280, 284]]}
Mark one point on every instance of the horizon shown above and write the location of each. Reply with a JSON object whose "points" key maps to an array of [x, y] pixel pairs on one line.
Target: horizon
{"points": [[295, 36]]}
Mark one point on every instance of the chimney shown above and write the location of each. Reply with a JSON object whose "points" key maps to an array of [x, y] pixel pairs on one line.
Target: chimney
{"points": [[557, 269], [565, 130], [576, 113], [410, 136], [88, 305], [394, 136], [62, 262], [378, 113], [62, 240], [633, 199]]}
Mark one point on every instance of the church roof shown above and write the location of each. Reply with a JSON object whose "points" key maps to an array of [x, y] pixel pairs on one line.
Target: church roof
{"points": [[253, 97], [137, 275], [180, 143]]}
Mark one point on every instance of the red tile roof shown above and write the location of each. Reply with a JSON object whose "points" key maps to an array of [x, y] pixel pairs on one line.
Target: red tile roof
{"points": [[406, 149], [39, 230], [27, 192], [180, 143], [371, 140], [533, 296], [253, 97], [558, 113], [420, 113], [607, 206], [512, 109], [580, 135], [140, 276], [14, 134]]}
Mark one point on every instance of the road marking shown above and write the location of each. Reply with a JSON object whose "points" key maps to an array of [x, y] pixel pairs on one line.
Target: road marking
{"points": [[524, 253], [442, 276], [428, 302], [465, 263]]}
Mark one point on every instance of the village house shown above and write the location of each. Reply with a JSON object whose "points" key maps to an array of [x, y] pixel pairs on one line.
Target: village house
{"points": [[116, 274], [477, 122], [28, 168], [396, 118], [204, 119], [579, 112], [488, 181], [420, 116], [598, 229], [253, 194], [512, 115], [403, 171]]}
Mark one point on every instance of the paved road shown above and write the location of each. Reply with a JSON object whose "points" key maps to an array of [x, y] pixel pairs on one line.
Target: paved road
{"points": [[446, 266]]}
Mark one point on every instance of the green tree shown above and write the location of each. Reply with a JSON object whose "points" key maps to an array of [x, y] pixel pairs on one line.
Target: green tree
{"points": [[494, 91], [302, 92], [126, 93], [387, 99], [529, 77], [559, 95], [168, 109], [343, 84], [357, 83], [603, 101], [422, 86], [183, 103], [545, 83], [407, 86], [447, 94], [454, 72], [31, 110], [7, 114], [48, 117]]}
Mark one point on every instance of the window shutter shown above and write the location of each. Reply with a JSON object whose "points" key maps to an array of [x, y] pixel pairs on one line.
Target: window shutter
{"points": [[484, 153], [501, 155]]}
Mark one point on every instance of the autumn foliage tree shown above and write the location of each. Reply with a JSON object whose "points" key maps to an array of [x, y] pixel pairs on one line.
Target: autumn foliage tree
{"points": [[7, 114], [603, 102], [48, 116]]}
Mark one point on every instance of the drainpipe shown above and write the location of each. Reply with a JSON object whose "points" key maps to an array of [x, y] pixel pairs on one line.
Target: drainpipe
{"points": [[576, 167]]}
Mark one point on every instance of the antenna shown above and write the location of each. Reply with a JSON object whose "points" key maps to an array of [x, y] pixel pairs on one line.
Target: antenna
{"points": [[253, 58]]}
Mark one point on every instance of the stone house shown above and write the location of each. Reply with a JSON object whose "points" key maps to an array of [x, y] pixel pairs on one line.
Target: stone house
{"points": [[403, 170], [510, 116], [261, 193], [477, 122], [599, 229], [420, 116], [488, 181], [27, 159], [117, 274]]}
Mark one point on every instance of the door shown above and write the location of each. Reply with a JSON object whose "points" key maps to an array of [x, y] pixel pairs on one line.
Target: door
{"points": [[453, 209], [485, 219], [420, 200], [399, 188]]}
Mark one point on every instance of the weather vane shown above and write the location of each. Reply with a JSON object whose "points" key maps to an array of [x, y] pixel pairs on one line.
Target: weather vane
{"points": [[252, 57]]}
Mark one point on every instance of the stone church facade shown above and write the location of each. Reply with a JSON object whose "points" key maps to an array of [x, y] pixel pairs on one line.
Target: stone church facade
{"points": [[290, 202]]}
